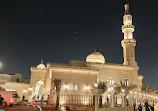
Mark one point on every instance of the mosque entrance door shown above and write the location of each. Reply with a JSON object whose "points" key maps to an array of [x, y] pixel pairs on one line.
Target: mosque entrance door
{"points": [[38, 90]]}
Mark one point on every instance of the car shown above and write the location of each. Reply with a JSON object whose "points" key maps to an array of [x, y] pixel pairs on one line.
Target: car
{"points": [[10, 97]]}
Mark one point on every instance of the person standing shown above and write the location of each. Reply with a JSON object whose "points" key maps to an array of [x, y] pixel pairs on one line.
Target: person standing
{"points": [[23, 98], [42, 99], [37, 98], [140, 108], [100, 101], [1, 100], [147, 106], [33, 100], [152, 108], [134, 106], [47, 102]]}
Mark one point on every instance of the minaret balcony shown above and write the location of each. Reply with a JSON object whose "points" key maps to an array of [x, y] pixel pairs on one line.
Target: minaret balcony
{"points": [[128, 27], [129, 41]]}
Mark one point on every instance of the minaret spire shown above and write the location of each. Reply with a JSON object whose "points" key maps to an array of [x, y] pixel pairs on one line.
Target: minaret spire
{"points": [[127, 12], [42, 61]]}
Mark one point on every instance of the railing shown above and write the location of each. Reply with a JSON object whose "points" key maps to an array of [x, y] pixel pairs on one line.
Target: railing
{"points": [[77, 102], [73, 67]]}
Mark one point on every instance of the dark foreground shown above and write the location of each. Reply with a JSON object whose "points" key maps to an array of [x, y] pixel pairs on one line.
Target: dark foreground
{"points": [[20, 108]]}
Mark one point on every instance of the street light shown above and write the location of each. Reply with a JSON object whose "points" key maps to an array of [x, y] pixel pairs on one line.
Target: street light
{"points": [[123, 90], [96, 85]]}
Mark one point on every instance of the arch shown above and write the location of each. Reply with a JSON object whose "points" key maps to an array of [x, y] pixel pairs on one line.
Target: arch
{"points": [[75, 87], [39, 89], [17, 80]]}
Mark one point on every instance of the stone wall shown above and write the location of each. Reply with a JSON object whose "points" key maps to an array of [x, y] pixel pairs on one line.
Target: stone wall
{"points": [[21, 88], [129, 108]]}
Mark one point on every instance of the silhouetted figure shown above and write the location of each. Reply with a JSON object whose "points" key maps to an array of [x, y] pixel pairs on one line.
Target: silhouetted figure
{"points": [[140, 108], [100, 101], [1, 100], [47, 102], [37, 98], [152, 108], [42, 99], [107, 100], [33, 100], [23, 98], [134, 106], [147, 106]]}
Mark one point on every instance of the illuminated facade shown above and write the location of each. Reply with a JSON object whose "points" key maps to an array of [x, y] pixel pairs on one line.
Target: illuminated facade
{"points": [[78, 76], [15, 82]]}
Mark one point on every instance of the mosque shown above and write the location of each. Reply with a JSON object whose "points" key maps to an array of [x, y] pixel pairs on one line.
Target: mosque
{"points": [[78, 76]]}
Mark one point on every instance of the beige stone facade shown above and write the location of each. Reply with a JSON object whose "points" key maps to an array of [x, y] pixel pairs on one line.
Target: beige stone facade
{"points": [[15, 82], [12, 78], [79, 76]]}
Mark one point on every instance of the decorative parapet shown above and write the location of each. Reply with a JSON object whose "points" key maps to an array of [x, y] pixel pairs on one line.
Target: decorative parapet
{"points": [[140, 77], [129, 41], [128, 26], [71, 67]]}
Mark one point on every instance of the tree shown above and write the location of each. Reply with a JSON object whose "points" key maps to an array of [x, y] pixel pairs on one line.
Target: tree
{"points": [[125, 89], [2, 89], [57, 83], [101, 85], [146, 88]]}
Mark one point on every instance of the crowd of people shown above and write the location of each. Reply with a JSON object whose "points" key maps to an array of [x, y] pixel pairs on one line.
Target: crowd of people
{"points": [[146, 107], [42, 98]]}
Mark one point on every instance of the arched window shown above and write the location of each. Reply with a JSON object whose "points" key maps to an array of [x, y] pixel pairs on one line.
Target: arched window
{"points": [[17, 80], [75, 87], [71, 87]]}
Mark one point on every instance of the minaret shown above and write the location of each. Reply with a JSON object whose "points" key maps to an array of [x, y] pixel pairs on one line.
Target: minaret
{"points": [[128, 43]]}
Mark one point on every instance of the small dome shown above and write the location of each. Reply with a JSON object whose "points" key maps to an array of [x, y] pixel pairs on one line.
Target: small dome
{"points": [[95, 57], [41, 65]]}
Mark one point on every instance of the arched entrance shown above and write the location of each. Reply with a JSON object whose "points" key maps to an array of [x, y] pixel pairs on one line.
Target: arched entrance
{"points": [[39, 89]]}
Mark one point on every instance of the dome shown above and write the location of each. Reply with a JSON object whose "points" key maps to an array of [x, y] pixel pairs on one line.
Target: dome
{"points": [[41, 65], [95, 57]]}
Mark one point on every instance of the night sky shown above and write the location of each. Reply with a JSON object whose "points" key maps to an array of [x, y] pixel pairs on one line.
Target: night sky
{"points": [[58, 31]]}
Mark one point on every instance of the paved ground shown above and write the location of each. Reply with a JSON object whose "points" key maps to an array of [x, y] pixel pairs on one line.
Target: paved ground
{"points": [[20, 108]]}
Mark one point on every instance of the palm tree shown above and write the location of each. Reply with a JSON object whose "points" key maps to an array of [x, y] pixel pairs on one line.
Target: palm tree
{"points": [[102, 86], [146, 88], [126, 89], [57, 83]]}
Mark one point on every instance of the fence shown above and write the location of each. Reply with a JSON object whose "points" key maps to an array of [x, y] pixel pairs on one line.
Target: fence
{"points": [[77, 102]]}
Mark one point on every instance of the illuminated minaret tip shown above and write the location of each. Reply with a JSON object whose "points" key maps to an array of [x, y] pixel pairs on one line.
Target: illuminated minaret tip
{"points": [[128, 42], [127, 12], [127, 27]]}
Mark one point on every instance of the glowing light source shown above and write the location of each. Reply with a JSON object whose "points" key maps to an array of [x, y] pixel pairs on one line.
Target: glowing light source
{"points": [[123, 90], [96, 85], [30, 89], [110, 89], [63, 108], [87, 87], [65, 86], [24, 91], [140, 94]]}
